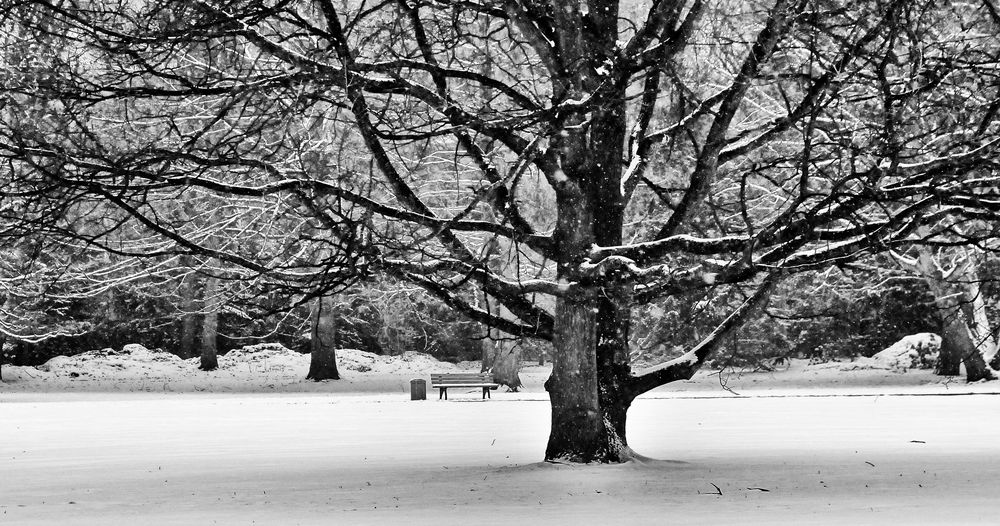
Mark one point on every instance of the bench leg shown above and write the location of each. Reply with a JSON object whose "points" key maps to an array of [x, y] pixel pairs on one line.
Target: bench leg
{"points": [[486, 393]]}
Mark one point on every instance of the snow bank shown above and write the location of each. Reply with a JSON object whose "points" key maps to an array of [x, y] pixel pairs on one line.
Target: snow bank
{"points": [[259, 367], [109, 362], [262, 358], [916, 351]]}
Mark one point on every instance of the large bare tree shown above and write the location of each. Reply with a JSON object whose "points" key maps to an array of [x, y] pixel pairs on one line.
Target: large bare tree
{"points": [[682, 145]]}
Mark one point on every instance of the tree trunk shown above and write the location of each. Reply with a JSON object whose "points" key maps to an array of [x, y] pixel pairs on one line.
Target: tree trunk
{"points": [[950, 356], [965, 332], [487, 344], [980, 331], [501, 354], [613, 368], [505, 364], [322, 341], [579, 422], [589, 386], [210, 326], [977, 316], [957, 338], [189, 316], [589, 403], [976, 368]]}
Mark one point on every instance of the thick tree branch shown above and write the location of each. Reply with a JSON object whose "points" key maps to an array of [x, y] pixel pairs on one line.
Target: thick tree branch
{"points": [[684, 367]]}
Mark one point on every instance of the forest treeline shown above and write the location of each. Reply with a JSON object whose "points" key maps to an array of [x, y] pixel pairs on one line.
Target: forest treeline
{"points": [[851, 314]]}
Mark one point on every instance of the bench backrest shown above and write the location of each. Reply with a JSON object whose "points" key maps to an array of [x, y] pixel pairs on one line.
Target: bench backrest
{"points": [[461, 378]]}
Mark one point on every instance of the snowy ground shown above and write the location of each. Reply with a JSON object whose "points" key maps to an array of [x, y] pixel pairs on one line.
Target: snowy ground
{"points": [[810, 445]]}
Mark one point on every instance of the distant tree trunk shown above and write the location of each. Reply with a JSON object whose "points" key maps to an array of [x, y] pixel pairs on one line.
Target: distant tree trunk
{"points": [[957, 337], [983, 329], [189, 316], [504, 362], [965, 332], [501, 354], [210, 325], [980, 331], [487, 344], [950, 357], [957, 344], [322, 341], [977, 316]]}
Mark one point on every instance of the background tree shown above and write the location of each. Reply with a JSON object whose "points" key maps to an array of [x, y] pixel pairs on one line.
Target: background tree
{"points": [[700, 145], [967, 335], [322, 338]]}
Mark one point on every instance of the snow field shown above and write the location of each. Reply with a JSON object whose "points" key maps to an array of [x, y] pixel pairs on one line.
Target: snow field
{"points": [[162, 458]]}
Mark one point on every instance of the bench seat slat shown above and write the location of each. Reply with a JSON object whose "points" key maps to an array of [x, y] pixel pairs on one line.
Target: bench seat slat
{"points": [[453, 380], [491, 386], [485, 378], [445, 381]]}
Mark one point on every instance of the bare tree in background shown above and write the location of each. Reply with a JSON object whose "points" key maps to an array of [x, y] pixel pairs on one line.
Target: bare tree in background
{"points": [[967, 336], [700, 144]]}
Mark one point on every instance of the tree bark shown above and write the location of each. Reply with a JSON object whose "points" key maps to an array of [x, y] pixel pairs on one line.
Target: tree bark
{"points": [[581, 431], [487, 345], [210, 326], [588, 396], [950, 356], [965, 331], [322, 341], [189, 316], [976, 314], [505, 363], [589, 399], [957, 337]]}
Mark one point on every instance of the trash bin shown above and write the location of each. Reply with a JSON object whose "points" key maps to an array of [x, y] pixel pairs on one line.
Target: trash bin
{"points": [[418, 389]]}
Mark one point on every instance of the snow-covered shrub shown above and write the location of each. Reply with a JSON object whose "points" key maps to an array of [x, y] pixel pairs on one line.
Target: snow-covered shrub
{"points": [[356, 360], [259, 352], [916, 351]]}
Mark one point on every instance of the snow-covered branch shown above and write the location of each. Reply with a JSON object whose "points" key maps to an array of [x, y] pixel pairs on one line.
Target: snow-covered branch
{"points": [[684, 367]]}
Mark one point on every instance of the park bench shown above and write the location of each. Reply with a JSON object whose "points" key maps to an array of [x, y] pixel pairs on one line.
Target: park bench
{"points": [[443, 381]]}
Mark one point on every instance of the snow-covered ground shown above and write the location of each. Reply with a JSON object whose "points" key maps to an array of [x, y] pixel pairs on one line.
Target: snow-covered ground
{"points": [[254, 444]]}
